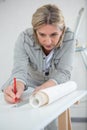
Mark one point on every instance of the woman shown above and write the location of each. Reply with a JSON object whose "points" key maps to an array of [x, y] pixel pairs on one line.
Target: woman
{"points": [[43, 54]]}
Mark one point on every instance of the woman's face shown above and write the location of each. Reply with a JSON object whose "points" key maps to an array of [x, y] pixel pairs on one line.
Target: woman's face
{"points": [[48, 36]]}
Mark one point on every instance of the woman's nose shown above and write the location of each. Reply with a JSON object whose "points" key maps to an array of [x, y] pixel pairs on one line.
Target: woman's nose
{"points": [[48, 39]]}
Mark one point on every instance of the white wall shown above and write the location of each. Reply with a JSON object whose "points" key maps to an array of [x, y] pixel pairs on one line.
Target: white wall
{"points": [[15, 16]]}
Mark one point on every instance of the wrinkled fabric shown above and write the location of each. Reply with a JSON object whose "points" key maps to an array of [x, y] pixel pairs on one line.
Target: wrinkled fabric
{"points": [[30, 60]]}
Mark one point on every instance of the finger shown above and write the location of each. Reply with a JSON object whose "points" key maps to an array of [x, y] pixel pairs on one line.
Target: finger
{"points": [[9, 92], [37, 89], [9, 99]]}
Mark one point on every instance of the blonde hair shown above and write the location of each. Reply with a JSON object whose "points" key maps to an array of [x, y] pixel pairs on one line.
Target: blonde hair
{"points": [[48, 14]]}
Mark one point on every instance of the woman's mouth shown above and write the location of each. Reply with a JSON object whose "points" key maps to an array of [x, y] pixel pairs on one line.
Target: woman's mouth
{"points": [[48, 47]]}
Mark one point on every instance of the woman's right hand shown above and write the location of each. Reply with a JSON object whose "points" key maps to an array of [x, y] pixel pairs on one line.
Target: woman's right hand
{"points": [[9, 94]]}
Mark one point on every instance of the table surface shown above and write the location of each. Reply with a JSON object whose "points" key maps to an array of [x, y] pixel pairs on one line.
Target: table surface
{"points": [[28, 118]]}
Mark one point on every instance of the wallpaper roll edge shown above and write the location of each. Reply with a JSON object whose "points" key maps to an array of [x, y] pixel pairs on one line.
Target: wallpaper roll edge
{"points": [[51, 94]]}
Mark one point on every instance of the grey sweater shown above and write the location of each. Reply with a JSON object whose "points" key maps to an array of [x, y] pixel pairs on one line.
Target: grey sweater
{"points": [[29, 60]]}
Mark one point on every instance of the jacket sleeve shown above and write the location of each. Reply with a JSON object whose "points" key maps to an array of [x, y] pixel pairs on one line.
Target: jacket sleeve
{"points": [[62, 73], [20, 62]]}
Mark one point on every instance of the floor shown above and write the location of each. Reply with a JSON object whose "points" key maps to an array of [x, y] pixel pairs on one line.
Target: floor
{"points": [[79, 111], [79, 126]]}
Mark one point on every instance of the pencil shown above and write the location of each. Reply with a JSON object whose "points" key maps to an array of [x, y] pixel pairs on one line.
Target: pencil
{"points": [[15, 89]]}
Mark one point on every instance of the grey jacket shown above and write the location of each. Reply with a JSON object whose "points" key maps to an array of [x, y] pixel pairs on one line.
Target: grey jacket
{"points": [[29, 60]]}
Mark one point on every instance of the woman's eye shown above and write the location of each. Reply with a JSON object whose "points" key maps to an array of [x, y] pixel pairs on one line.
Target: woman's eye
{"points": [[54, 34], [51, 35], [43, 35]]}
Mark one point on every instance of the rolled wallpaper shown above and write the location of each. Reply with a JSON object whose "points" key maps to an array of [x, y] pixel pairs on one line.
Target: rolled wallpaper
{"points": [[51, 94]]}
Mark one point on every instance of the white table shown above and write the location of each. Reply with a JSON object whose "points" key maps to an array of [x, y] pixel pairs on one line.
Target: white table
{"points": [[28, 118]]}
